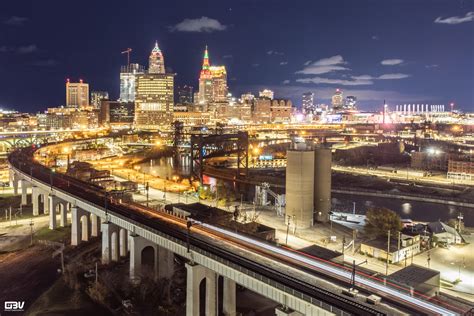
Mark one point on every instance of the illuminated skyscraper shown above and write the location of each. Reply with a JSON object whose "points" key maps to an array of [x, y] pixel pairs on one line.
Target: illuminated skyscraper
{"points": [[205, 81], [77, 94], [156, 61], [337, 100], [185, 95], [308, 106], [212, 82], [97, 97], [266, 93], [154, 95], [219, 83], [351, 102], [127, 81]]}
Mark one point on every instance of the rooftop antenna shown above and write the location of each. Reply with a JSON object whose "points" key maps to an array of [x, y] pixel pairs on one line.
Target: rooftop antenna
{"points": [[127, 51]]}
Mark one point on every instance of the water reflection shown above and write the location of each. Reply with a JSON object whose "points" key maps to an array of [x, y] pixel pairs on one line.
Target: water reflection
{"points": [[414, 210], [166, 168], [406, 208]]}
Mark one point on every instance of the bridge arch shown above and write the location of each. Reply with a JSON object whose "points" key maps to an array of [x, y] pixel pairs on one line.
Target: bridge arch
{"points": [[202, 296], [148, 258]]}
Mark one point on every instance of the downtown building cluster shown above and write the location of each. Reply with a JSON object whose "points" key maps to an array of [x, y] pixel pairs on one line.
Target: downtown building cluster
{"points": [[149, 100]]}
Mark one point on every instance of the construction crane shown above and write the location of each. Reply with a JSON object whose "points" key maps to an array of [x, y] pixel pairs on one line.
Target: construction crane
{"points": [[128, 51]]}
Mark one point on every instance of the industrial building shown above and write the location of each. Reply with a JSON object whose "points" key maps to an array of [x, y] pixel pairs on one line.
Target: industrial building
{"points": [[418, 279]]}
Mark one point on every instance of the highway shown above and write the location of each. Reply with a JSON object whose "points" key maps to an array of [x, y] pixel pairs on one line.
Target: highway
{"points": [[176, 229]]}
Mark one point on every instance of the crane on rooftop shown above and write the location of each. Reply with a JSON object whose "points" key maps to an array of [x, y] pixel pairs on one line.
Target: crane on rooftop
{"points": [[127, 51]]}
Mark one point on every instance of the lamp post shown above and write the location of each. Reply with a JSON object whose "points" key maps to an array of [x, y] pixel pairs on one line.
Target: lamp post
{"points": [[31, 231], [287, 228], [188, 233], [147, 188]]}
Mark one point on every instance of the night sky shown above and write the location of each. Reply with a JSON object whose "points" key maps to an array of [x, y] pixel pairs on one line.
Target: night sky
{"points": [[404, 51]]}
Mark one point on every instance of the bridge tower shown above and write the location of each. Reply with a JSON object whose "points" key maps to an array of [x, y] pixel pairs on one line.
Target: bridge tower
{"points": [[210, 146]]}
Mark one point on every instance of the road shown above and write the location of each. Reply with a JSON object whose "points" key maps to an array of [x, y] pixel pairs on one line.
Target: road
{"points": [[402, 176]]}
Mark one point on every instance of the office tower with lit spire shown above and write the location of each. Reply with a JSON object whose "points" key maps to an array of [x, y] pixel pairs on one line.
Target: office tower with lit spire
{"points": [[156, 61], [154, 94], [212, 83], [205, 81]]}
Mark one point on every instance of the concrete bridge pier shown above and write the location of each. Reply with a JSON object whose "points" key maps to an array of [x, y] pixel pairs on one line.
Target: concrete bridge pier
{"points": [[95, 225], [229, 297], [79, 226], [199, 278], [143, 257], [11, 175], [123, 240], [45, 200], [24, 191], [14, 179], [63, 218], [54, 202], [166, 263], [35, 193], [110, 242]]}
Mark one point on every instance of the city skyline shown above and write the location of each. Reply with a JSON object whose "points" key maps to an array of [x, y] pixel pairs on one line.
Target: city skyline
{"points": [[237, 157], [409, 63]]}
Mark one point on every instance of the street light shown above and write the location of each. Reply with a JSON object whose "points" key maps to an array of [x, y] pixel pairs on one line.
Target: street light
{"points": [[31, 231], [287, 228]]}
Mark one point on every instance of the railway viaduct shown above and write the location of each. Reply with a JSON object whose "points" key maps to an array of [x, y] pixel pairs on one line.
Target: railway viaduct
{"points": [[216, 260], [124, 235]]}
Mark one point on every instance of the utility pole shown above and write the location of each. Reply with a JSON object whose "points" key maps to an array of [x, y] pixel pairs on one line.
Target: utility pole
{"points": [[399, 239], [31, 231], [388, 251], [294, 225], [147, 187], [105, 207], [127, 51], [343, 246], [354, 235], [96, 274], [354, 265], [287, 229], [188, 226]]}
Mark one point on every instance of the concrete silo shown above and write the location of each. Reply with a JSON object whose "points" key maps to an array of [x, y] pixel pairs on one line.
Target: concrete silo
{"points": [[299, 185], [322, 183]]}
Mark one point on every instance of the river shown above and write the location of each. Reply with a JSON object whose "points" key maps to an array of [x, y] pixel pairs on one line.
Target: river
{"points": [[417, 211]]}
